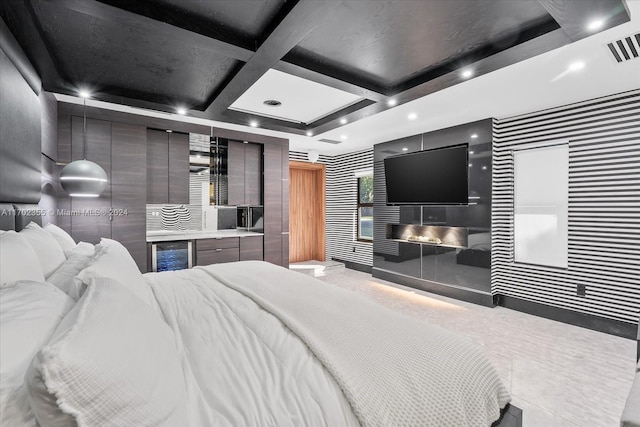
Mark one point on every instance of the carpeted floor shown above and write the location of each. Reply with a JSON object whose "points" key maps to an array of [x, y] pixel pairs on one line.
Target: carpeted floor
{"points": [[558, 374]]}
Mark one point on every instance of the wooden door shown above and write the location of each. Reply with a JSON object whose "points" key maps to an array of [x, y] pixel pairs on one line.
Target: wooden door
{"points": [[306, 211]]}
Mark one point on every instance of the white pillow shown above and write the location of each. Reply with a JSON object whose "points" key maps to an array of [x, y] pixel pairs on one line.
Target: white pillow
{"points": [[113, 361], [82, 248], [64, 276], [112, 260], [18, 260], [46, 247], [65, 241], [29, 314]]}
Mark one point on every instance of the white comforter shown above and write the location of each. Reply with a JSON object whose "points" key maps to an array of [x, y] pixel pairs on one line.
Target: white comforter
{"points": [[243, 366], [263, 346]]}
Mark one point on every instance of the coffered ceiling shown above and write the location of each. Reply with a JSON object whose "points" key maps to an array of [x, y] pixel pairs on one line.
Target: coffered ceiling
{"points": [[328, 62]]}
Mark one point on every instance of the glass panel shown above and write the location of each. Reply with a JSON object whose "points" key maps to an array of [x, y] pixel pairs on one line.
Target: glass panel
{"points": [[365, 223], [365, 184]]}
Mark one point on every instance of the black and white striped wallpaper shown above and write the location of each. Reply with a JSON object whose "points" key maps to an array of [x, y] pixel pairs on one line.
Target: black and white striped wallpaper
{"points": [[341, 205], [604, 207]]}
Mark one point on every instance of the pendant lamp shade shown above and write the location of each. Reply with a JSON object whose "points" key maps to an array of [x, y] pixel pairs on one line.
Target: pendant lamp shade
{"points": [[82, 178]]}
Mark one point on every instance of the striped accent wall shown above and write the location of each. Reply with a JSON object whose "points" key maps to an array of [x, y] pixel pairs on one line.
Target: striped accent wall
{"points": [[341, 205], [604, 207]]}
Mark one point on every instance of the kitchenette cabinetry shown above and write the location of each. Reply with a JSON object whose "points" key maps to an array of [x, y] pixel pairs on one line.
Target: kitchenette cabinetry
{"points": [[218, 250], [167, 167], [245, 173], [251, 248]]}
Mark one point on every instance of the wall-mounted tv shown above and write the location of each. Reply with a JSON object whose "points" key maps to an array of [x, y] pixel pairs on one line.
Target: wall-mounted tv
{"points": [[431, 177]]}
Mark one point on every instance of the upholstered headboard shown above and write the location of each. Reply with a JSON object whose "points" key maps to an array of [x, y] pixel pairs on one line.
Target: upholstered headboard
{"points": [[17, 216], [20, 136]]}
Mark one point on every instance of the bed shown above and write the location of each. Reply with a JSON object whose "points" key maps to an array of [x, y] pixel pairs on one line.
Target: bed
{"points": [[88, 340]]}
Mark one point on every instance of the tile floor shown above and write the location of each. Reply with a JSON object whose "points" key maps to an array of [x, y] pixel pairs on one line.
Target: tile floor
{"points": [[558, 374]]}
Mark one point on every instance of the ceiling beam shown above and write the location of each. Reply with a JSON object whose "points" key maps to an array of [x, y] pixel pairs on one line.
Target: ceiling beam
{"points": [[126, 18], [303, 18], [574, 16]]}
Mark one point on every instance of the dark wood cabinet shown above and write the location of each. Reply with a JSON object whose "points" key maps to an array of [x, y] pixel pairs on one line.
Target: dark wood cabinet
{"points": [[128, 189], [251, 248], [215, 251], [245, 173], [167, 167], [119, 212]]}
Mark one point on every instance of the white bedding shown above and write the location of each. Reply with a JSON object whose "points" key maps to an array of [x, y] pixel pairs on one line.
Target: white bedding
{"points": [[350, 360], [243, 366]]}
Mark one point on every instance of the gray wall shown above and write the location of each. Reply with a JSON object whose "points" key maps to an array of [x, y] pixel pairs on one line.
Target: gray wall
{"points": [[341, 205], [20, 136], [604, 207]]}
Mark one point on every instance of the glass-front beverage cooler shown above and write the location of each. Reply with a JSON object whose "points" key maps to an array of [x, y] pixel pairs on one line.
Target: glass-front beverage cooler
{"points": [[169, 256]]}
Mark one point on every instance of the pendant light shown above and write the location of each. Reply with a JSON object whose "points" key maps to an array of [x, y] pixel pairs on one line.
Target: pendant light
{"points": [[82, 178]]}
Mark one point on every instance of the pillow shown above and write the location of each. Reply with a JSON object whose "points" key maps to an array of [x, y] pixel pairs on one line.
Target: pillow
{"points": [[18, 260], [65, 241], [29, 314], [113, 362], [112, 260], [82, 248], [64, 276], [48, 250]]}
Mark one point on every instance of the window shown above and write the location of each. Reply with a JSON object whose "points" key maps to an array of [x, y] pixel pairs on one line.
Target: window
{"points": [[541, 197], [365, 208]]}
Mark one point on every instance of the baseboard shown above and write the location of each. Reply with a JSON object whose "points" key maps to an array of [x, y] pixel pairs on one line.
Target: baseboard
{"points": [[588, 321], [457, 292], [354, 265]]}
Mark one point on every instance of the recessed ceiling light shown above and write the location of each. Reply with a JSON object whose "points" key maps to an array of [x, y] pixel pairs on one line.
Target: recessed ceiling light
{"points": [[484, 168], [246, 142], [272, 103], [309, 133], [343, 136], [405, 149], [594, 25], [467, 73], [412, 116], [343, 121], [470, 164], [471, 152], [253, 123], [181, 111], [84, 94], [576, 66], [474, 135], [391, 102]]}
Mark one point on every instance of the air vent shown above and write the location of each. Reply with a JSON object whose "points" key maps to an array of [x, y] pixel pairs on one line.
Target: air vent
{"points": [[626, 48], [330, 141]]}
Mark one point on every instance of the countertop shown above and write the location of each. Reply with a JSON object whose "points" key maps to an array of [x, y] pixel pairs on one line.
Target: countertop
{"points": [[166, 236]]}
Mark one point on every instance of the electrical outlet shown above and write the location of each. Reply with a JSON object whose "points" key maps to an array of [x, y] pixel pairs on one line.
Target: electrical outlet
{"points": [[581, 290]]}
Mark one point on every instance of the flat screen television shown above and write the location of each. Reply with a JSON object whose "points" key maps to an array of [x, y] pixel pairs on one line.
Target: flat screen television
{"points": [[431, 177]]}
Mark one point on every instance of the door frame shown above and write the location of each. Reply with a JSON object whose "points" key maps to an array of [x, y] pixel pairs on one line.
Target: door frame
{"points": [[320, 170]]}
